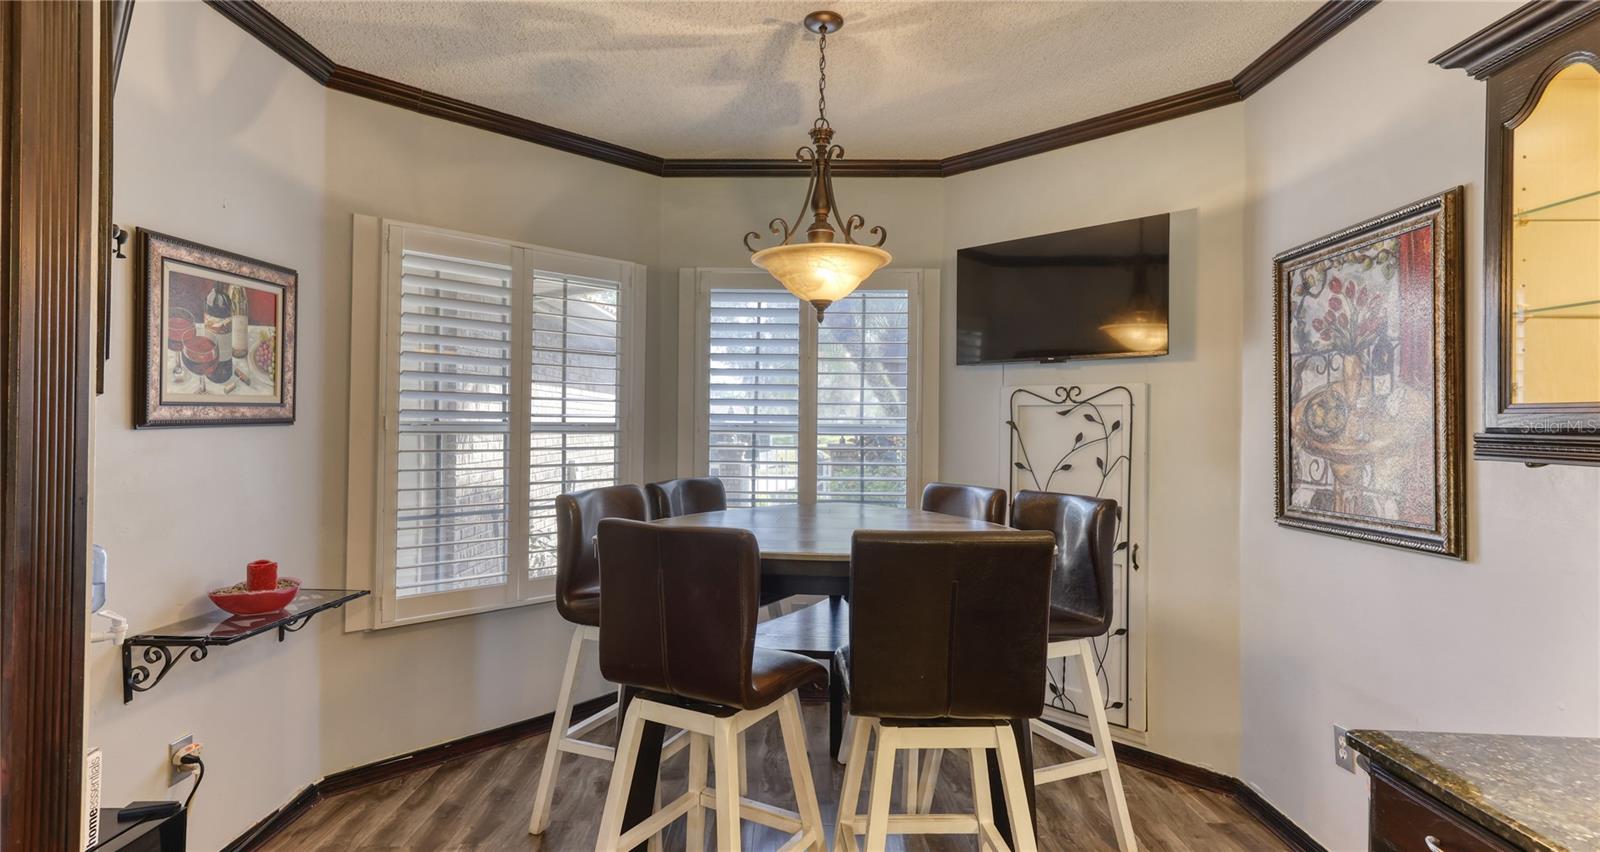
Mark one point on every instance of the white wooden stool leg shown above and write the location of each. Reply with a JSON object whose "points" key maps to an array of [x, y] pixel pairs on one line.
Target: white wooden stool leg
{"points": [[910, 788], [725, 752], [882, 789], [929, 780], [1101, 730], [982, 805], [696, 834], [621, 778], [744, 765], [855, 749], [1016, 790], [846, 731], [654, 843], [805, 792], [559, 722]]}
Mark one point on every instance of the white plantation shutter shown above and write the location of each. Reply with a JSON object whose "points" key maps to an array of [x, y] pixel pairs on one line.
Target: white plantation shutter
{"points": [[753, 393], [787, 410], [863, 399], [498, 358], [454, 414], [576, 415]]}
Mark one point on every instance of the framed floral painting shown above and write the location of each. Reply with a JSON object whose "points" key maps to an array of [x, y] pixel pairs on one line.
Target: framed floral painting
{"points": [[1367, 401], [216, 336]]}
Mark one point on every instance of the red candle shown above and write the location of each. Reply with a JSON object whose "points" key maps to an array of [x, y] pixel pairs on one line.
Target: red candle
{"points": [[261, 575]]}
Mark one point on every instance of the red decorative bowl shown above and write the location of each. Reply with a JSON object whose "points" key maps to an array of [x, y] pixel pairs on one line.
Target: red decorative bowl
{"points": [[239, 600]]}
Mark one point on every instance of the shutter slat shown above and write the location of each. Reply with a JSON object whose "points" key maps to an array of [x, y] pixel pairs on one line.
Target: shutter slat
{"points": [[753, 374], [863, 398], [576, 396], [452, 495]]}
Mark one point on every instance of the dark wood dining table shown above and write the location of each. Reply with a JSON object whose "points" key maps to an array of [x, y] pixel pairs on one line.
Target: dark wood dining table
{"points": [[805, 550]]}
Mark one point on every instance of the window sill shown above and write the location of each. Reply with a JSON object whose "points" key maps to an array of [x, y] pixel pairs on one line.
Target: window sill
{"points": [[366, 622]]}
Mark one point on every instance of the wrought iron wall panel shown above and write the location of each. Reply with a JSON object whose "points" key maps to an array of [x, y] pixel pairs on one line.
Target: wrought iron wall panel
{"points": [[1090, 439]]}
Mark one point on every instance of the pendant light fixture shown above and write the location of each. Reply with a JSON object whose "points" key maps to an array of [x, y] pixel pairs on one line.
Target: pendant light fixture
{"points": [[820, 270]]}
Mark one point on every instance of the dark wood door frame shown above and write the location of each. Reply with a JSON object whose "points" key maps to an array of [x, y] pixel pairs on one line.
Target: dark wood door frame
{"points": [[47, 219]]}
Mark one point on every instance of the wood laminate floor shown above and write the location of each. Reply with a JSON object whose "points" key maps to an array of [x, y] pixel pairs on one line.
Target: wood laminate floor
{"points": [[481, 802]]}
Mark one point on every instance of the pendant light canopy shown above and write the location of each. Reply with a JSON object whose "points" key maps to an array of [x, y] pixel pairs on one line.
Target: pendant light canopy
{"points": [[820, 270]]}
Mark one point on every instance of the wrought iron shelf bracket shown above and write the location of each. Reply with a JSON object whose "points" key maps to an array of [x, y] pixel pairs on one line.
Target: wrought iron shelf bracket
{"points": [[161, 650]]}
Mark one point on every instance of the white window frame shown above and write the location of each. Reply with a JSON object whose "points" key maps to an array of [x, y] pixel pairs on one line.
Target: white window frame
{"points": [[922, 423], [374, 403]]}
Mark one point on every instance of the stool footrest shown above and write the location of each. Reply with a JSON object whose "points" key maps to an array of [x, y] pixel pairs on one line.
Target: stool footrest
{"points": [[1070, 769], [658, 821], [921, 824], [587, 749]]}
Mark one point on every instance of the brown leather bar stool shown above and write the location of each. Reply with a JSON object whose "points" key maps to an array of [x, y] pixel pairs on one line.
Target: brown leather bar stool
{"points": [[690, 496], [965, 501], [947, 644], [578, 600], [1085, 531], [678, 622]]}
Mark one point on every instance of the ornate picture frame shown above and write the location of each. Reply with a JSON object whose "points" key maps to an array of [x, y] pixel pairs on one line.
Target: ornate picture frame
{"points": [[1368, 413], [216, 336]]}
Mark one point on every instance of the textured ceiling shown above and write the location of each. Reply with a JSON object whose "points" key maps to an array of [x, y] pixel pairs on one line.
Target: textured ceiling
{"points": [[738, 79]]}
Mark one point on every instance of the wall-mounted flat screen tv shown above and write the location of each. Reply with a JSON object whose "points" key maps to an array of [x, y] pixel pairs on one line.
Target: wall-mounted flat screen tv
{"points": [[1098, 292]]}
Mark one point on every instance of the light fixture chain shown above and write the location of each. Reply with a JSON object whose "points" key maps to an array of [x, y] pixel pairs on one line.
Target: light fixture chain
{"points": [[822, 79]]}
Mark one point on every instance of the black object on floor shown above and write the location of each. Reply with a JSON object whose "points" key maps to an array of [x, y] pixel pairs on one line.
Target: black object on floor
{"points": [[157, 834], [135, 811]]}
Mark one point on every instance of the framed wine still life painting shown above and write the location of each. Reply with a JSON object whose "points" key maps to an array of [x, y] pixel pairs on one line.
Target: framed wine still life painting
{"points": [[1367, 395], [216, 336]]}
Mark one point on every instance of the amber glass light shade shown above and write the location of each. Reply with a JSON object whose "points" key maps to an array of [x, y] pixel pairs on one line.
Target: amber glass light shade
{"points": [[1139, 331], [821, 273]]}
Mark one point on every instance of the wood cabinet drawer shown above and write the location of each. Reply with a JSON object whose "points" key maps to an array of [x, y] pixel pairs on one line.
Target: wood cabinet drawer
{"points": [[1404, 819]]}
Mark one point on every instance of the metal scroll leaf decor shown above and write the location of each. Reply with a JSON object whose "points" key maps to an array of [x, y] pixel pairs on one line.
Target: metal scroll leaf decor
{"points": [[1094, 451]]}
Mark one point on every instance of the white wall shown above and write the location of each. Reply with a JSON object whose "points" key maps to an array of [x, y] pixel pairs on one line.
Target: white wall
{"points": [[1194, 167], [221, 141], [218, 141], [1335, 631], [443, 680]]}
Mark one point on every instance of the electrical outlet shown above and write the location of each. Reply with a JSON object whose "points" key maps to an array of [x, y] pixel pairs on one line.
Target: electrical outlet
{"points": [[176, 771], [1343, 755]]}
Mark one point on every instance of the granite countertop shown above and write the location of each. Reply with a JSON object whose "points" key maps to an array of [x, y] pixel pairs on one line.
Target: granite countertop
{"points": [[1538, 793]]}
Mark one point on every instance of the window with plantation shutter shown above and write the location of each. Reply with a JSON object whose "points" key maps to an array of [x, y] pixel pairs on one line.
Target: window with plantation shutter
{"points": [[864, 398], [754, 395], [576, 416], [510, 374], [787, 410], [452, 453]]}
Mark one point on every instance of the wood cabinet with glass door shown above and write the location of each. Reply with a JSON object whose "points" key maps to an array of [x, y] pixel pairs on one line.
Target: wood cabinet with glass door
{"points": [[1541, 232]]}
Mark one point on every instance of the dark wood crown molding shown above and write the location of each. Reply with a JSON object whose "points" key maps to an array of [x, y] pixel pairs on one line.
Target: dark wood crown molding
{"points": [[1323, 24], [384, 90], [1140, 115], [795, 168], [254, 19], [1492, 47], [1329, 18]]}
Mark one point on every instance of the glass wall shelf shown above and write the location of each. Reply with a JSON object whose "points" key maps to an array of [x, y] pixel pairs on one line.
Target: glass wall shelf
{"points": [[1566, 210], [1560, 311]]}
